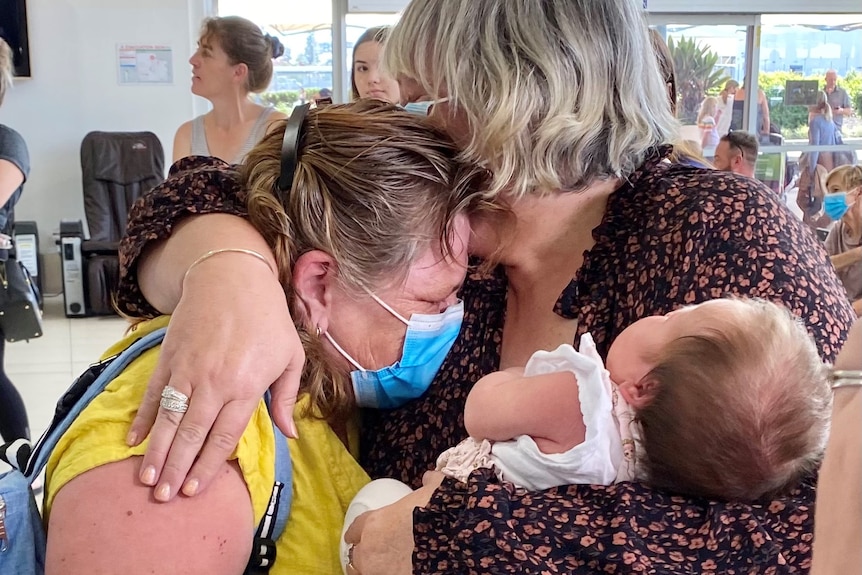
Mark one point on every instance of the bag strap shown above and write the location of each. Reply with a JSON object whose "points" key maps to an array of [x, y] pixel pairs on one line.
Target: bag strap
{"points": [[83, 392], [113, 367], [274, 520], [14, 455]]}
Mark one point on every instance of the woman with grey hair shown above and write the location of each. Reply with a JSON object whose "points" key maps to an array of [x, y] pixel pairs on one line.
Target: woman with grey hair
{"points": [[595, 226], [14, 169]]}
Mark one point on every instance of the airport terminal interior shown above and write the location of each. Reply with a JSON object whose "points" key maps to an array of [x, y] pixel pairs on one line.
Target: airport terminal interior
{"points": [[769, 90]]}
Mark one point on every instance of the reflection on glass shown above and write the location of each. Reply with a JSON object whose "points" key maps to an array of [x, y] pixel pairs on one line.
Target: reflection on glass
{"points": [[825, 52], [709, 62]]}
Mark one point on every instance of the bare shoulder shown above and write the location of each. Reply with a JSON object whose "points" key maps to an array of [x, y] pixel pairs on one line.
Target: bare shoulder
{"points": [[106, 521], [183, 141], [274, 117]]}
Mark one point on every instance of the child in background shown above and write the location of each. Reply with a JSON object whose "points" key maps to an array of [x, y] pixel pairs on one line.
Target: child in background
{"points": [[706, 121]]}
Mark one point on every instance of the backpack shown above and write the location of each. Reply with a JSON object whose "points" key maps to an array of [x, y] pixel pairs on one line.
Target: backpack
{"points": [[22, 534]]}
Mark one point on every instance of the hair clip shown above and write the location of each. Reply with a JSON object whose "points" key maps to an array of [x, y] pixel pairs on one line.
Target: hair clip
{"points": [[290, 146]]}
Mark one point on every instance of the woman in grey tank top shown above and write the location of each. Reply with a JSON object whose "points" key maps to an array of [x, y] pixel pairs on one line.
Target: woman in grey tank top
{"points": [[233, 60]]}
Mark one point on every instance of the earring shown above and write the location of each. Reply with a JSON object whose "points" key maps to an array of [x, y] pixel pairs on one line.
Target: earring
{"points": [[317, 330]]}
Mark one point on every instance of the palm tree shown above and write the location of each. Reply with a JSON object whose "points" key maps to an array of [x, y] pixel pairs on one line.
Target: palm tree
{"points": [[695, 75]]}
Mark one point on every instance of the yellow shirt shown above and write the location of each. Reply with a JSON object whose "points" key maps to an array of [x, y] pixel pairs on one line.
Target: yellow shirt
{"points": [[325, 475]]}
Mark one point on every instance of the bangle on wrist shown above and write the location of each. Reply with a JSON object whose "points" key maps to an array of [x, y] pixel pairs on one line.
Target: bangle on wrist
{"points": [[845, 378], [212, 253]]}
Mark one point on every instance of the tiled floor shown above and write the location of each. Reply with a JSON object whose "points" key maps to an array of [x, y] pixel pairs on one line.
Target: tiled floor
{"points": [[43, 368]]}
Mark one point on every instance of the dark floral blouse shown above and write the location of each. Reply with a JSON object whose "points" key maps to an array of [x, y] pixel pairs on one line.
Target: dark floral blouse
{"points": [[672, 235]]}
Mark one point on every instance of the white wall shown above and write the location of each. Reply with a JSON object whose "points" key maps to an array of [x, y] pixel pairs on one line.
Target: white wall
{"points": [[74, 90]]}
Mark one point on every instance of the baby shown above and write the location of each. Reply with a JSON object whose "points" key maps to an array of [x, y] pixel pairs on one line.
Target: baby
{"points": [[727, 399]]}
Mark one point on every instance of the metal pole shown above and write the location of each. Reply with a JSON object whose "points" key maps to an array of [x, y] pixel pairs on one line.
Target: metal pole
{"points": [[339, 51]]}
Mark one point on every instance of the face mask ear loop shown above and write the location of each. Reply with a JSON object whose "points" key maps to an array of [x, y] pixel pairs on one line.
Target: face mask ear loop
{"points": [[387, 307], [346, 355]]}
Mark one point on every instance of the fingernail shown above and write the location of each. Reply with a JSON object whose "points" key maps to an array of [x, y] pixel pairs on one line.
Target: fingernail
{"points": [[148, 477], [132, 439], [294, 432], [191, 487], [163, 493]]}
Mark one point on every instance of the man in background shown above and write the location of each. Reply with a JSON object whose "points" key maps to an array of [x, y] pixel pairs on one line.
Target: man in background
{"points": [[838, 99], [737, 152]]}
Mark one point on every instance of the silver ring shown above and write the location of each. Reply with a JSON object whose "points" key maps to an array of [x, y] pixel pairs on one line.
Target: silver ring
{"points": [[173, 400]]}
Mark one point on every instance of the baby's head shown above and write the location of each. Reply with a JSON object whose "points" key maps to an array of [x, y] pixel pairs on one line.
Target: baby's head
{"points": [[731, 395]]}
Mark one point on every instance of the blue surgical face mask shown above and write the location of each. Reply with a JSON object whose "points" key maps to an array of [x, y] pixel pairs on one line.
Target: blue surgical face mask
{"points": [[427, 342], [423, 108], [835, 205]]}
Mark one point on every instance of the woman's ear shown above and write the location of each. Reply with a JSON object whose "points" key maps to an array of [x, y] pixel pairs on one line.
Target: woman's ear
{"points": [[240, 71], [639, 393], [312, 280]]}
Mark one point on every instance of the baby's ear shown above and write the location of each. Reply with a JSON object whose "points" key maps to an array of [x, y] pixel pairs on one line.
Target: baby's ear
{"points": [[640, 393]]}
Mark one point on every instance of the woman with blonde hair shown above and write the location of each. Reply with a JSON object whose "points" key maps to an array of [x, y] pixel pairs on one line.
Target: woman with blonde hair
{"points": [[361, 216], [821, 132], [843, 203], [594, 227], [233, 60], [14, 170], [725, 111]]}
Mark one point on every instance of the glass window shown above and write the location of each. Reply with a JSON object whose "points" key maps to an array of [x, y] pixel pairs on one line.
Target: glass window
{"points": [[794, 61], [706, 58], [304, 71], [357, 24]]}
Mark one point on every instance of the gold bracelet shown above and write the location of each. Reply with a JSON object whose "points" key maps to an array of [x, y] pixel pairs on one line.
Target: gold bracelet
{"points": [[845, 378], [212, 253]]}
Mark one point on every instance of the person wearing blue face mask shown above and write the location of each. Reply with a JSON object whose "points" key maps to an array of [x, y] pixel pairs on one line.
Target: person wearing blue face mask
{"points": [[843, 204], [366, 207], [428, 339]]}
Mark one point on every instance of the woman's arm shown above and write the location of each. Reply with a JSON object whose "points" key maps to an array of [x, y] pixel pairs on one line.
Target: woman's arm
{"points": [[778, 259], [182, 142], [764, 105], [847, 259], [503, 406], [162, 266], [105, 522], [226, 299], [11, 178], [837, 528]]}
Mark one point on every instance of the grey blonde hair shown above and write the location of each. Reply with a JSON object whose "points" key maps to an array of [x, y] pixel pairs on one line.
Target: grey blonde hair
{"points": [[374, 187], [557, 94], [844, 178], [725, 92], [741, 407], [6, 65]]}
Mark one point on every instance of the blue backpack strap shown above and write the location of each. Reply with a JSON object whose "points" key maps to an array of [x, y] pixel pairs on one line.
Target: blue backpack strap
{"points": [[113, 367], [83, 391], [273, 522]]}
